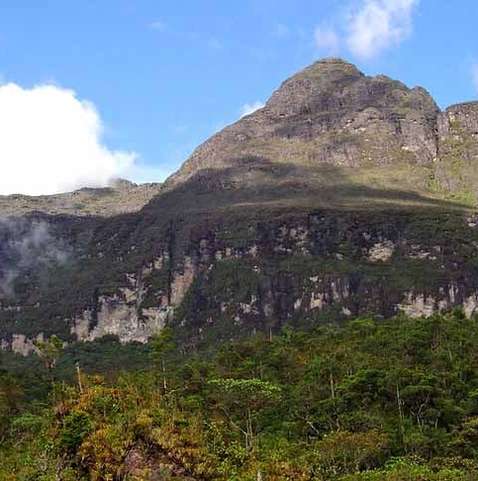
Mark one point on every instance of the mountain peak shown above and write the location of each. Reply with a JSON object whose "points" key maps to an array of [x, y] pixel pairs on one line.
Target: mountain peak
{"points": [[312, 85], [330, 64], [327, 115]]}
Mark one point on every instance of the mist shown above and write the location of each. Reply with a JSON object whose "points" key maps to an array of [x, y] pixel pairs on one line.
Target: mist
{"points": [[27, 245]]}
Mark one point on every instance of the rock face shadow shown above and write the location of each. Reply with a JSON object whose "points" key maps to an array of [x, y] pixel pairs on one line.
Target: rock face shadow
{"points": [[258, 181]]}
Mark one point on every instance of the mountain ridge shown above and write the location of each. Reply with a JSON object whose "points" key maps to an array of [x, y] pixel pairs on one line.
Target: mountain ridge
{"points": [[120, 197], [372, 130]]}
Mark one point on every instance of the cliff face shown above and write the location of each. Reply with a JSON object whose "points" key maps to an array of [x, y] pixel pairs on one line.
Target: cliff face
{"points": [[458, 149], [215, 276], [345, 195], [237, 276]]}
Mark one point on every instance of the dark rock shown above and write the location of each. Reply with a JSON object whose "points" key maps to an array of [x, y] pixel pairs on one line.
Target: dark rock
{"points": [[330, 113]]}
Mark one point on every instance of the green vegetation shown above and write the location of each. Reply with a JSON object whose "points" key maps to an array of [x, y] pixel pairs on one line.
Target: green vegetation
{"points": [[393, 400]]}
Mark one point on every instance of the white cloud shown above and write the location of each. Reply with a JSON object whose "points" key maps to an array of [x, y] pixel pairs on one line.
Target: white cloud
{"points": [[474, 75], [327, 39], [51, 142], [248, 109], [377, 25]]}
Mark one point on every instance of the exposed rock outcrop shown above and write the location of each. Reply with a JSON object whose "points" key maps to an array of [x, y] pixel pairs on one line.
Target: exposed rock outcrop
{"points": [[330, 113], [458, 150], [224, 278]]}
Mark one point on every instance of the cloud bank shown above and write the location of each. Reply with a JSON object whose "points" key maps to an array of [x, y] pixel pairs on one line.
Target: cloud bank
{"points": [[369, 28], [51, 142]]}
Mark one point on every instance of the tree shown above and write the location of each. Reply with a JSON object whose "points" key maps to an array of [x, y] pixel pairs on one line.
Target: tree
{"points": [[162, 345], [345, 452], [49, 352], [242, 400]]}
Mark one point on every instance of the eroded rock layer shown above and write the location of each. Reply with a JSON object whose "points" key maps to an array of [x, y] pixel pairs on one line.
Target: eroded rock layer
{"points": [[215, 277]]}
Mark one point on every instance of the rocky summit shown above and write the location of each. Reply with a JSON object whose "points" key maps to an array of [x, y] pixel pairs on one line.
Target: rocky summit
{"points": [[330, 134], [345, 195]]}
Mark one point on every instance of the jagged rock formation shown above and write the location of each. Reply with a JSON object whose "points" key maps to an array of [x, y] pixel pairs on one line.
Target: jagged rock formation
{"points": [[345, 195]]}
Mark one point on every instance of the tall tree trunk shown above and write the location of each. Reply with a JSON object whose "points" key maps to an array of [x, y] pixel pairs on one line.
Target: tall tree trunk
{"points": [[78, 373], [165, 383]]}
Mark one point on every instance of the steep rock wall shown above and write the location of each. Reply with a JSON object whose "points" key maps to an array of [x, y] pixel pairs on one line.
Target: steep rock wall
{"points": [[219, 278]]}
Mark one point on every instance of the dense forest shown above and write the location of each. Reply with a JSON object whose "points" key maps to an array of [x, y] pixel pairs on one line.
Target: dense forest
{"points": [[373, 400]]}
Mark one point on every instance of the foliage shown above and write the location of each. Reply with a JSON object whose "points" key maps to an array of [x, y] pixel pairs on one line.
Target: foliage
{"points": [[392, 400]]}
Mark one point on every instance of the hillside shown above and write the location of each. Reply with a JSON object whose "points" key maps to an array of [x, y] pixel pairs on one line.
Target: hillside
{"points": [[371, 401], [122, 196], [298, 302], [345, 195]]}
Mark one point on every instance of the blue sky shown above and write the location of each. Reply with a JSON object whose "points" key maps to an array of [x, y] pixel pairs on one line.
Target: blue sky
{"points": [[164, 75]]}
